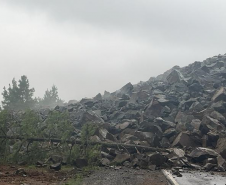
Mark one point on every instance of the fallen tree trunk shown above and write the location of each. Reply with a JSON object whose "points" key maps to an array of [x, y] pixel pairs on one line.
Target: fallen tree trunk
{"points": [[104, 144]]}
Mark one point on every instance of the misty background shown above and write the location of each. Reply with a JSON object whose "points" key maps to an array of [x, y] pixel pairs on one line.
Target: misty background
{"points": [[86, 47]]}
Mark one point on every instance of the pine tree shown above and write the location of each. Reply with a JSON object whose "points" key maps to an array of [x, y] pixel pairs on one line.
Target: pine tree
{"points": [[19, 95], [51, 98]]}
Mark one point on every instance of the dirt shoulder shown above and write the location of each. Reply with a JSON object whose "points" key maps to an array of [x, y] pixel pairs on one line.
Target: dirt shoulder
{"points": [[102, 176], [125, 176], [10, 175]]}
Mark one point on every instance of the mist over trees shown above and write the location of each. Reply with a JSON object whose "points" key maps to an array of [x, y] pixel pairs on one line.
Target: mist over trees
{"points": [[20, 96], [50, 99]]}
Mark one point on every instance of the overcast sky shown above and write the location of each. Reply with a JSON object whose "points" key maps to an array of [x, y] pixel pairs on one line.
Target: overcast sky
{"points": [[87, 46]]}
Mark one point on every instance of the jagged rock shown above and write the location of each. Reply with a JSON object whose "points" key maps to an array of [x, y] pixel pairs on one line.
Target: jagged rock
{"points": [[95, 138], [176, 153], [140, 96], [124, 125], [170, 132], [184, 121], [218, 116], [126, 89], [154, 109], [195, 123], [180, 108], [175, 77], [220, 95], [219, 106], [121, 103], [164, 124], [140, 160], [200, 154], [125, 97], [209, 166], [129, 139], [183, 139], [121, 158], [90, 116], [221, 147], [197, 87], [56, 167], [107, 95], [165, 143], [106, 155], [104, 134], [213, 138], [221, 163], [157, 159], [151, 138], [212, 124], [98, 97], [87, 102]]}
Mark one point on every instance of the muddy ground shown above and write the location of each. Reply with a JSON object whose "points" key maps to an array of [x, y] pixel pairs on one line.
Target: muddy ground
{"points": [[102, 176]]}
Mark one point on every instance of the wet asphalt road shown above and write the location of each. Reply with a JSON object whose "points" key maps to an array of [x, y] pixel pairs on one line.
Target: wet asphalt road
{"points": [[201, 178]]}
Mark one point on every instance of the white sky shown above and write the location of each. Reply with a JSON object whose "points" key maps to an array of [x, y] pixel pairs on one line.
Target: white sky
{"points": [[86, 47]]}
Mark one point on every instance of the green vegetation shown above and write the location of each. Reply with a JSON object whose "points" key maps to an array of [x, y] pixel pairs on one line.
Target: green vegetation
{"points": [[30, 126], [58, 126], [50, 99], [19, 95], [91, 153]]}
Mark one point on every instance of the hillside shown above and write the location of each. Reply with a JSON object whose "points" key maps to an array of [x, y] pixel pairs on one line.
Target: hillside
{"points": [[174, 120]]}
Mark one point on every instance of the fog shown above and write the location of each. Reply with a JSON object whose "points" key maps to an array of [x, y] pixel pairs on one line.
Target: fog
{"points": [[86, 47]]}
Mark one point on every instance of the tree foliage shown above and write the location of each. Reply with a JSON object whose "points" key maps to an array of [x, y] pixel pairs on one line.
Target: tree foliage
{"points": [[19, 95], [51, 98], [58, 125]]}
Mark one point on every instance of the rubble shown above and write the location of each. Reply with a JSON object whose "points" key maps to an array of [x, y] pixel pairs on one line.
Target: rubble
{"points": [[182, 110]]}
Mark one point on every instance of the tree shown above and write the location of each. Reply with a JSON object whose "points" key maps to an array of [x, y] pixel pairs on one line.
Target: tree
{"points": [[51, 98], [19, 95]]}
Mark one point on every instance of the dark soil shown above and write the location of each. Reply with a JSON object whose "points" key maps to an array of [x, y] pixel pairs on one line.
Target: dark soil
{"points": [[34, 176]]}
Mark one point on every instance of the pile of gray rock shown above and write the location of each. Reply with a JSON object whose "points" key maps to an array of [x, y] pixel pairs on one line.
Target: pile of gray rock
{"points": [[182, 111]]}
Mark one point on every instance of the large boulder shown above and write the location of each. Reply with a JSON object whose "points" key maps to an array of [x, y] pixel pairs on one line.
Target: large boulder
{"points": [[184, 140], [175, 77], [154, 109], [200, 154], [212, 124], [89, 116]]}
